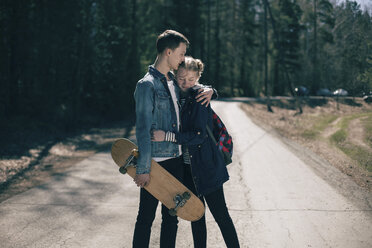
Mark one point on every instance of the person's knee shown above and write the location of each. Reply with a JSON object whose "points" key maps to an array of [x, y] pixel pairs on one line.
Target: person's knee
{"points": [[200, 222], [198, 226], [222, 216], [145, 218], [169, 220]]}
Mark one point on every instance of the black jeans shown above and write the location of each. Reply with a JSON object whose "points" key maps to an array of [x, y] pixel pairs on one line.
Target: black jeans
{"points": [[147, 210], [217, 206]]}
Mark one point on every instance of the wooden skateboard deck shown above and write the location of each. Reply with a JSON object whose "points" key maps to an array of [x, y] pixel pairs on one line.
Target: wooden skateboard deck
{"points": [[163, 186]]}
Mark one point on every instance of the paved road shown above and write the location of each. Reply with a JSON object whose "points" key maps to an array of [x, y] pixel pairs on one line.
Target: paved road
{"points": [[274, 197]]}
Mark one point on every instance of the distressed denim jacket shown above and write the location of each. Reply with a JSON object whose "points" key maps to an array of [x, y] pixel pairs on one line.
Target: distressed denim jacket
{"points": [[154, 110]]}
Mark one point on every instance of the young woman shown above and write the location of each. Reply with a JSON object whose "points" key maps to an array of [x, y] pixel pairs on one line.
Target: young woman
{"points": [[205, 170]]}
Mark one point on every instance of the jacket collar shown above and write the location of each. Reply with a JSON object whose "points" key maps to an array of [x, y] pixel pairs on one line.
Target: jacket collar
{"points": [[154, 72]]}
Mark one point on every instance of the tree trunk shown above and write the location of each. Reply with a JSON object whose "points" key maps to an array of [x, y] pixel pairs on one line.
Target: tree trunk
{"points": [[268, 103], [315, 82], [208, 39], [133, 59], [218, 48], [232, 74], [13, 89]]}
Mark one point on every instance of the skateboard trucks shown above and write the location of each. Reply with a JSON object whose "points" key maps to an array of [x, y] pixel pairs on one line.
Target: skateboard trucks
{"points": [[180, 201], [131, 161]]}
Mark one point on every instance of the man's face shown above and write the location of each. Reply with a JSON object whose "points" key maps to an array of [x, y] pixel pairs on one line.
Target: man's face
{"points": [[176, 56], [186, 79]]}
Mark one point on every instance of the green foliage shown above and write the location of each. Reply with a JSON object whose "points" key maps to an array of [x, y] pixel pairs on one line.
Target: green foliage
{"points": [[67, 61], [353, 45], [339, 136], [288, 45]]}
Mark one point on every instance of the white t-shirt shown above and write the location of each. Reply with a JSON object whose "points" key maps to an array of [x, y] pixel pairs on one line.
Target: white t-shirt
{"points": [[175, 102]]}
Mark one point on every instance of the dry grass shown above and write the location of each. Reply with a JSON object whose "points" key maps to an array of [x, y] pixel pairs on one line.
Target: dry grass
{"points": [[341, 133]]}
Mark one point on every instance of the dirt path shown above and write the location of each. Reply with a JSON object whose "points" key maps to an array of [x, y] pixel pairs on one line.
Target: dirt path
{"points": [[331, 129], [357, 133]]}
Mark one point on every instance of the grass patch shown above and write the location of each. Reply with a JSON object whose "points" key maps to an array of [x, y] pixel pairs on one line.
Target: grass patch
{"points": [[320, 123], [355, 152], [367, 123], [339, 136], [346, 120]]}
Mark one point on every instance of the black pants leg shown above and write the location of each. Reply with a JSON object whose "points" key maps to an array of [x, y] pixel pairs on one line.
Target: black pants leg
{"points": [[147, 210], [199, 227], [217, 206], [145, 217], [169, 223]]}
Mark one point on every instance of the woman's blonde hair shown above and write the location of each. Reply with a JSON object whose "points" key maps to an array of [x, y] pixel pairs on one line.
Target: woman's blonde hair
{"points": [[192, 64]]}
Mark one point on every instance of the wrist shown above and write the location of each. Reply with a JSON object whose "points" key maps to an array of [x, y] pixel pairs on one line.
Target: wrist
{"points": [[170, 136]]}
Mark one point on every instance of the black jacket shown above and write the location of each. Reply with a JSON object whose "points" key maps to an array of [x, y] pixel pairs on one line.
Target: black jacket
{"points": [[207, 165]]}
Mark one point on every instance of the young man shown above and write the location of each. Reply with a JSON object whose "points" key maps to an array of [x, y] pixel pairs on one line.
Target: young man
{"points": [[156, 97]]}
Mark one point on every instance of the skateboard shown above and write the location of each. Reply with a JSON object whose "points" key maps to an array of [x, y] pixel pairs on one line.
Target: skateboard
{"points": [[163, 186]]}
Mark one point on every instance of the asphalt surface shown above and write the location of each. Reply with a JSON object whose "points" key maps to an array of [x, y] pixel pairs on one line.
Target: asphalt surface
{"points": [[279, 195]]}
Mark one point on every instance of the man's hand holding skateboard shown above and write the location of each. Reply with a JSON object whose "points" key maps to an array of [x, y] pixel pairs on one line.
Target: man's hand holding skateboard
{"points": [[166, 188], [142, 180]]}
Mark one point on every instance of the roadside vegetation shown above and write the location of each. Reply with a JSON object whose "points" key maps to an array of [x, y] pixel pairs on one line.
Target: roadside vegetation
{"points": [[320, 124], [367, 122], [340, 132], [340, 137], [362, 154]]}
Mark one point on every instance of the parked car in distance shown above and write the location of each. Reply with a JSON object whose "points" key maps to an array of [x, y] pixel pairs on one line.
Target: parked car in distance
{"points": [[324, 92], [302, 91], [340, 92], [367, 98]]}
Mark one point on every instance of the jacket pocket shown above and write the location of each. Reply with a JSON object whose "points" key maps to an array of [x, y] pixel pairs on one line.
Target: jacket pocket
{"points": [[162, 99], [207, 154]]}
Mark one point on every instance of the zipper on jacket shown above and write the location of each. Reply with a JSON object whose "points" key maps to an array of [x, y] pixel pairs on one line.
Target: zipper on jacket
{"points": [[192, 177]]}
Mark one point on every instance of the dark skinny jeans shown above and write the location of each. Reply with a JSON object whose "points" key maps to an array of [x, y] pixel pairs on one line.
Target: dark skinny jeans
{"points": [[217, 206], [147, 210]]}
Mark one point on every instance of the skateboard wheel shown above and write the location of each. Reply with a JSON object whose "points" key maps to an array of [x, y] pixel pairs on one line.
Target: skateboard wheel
{"points": [[186, 195], [123, 170], [172, 212]]}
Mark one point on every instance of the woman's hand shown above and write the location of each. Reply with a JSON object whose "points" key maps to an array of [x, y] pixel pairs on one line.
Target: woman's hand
{"points": [[204, 95], [158, 135]]}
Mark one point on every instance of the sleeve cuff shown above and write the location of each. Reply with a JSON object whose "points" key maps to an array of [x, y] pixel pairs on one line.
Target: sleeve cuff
{"points": [[171, 137], [215, 94]]}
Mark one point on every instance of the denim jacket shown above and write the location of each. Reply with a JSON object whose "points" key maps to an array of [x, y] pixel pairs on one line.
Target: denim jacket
{"points": [[154, 110]]}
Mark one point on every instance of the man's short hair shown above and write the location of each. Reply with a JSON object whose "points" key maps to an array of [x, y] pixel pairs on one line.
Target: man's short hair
{"points": [[170, 39]]}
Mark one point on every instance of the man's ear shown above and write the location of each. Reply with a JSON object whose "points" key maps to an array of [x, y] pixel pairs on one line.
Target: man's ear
{"points": [[168, 51]]}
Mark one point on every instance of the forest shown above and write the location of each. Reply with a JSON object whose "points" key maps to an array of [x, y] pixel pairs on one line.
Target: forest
{"points": [[70, 63]]}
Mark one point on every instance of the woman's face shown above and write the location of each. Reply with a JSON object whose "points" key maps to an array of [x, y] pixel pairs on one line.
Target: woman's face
{"points": [[186, 79]]}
